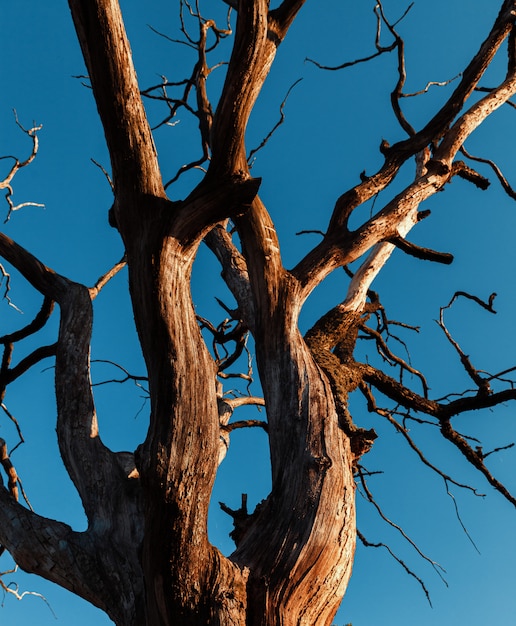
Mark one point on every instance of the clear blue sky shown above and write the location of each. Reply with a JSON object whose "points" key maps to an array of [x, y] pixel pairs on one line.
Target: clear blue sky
{"points": [[334, 124]]}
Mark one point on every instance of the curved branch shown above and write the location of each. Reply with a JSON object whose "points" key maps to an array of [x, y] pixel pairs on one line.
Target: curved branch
{"points": [[47, 282], [37, 323], [234, 403], [8, 375], [281, 120], [90, 465], [379, 48], [503, 181], [252, 56], [25, 364], [258, 34]]}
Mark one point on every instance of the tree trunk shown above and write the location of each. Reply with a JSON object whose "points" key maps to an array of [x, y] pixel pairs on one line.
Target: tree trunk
{"points": [[294, 560], [307, 524], [145, 557]]}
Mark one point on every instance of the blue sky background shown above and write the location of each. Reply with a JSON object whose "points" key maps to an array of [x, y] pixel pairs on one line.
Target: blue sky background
{"points": [[334, 125]]}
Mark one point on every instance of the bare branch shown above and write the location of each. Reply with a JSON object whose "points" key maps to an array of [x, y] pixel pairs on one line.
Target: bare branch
{"points": [[459, 518], [432, 83], [77, 421], [239, 401], [106, 50], [311, 232], [418, 252], [7, 277], [18, 165], [506, 186], [389, 355], [278, 123], [37, 323], [475, 457], [105, 172], [105, 278], [14, 590], [16, 425], [467, 173], [499, 449], [487, 305], [37, 355], [245, 424], [128, 376], [405, 433], [379, 48], [481, 382], [437, 568], [368, 544], [234, 271]]}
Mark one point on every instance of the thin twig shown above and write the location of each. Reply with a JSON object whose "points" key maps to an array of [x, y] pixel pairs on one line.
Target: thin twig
{"points": [[278, 123], [369, 544], [13, 589], [432, 83], [438, 568]]}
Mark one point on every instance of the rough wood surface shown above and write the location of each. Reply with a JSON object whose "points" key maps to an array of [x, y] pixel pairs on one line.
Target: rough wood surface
{"points": [[145, 558]]}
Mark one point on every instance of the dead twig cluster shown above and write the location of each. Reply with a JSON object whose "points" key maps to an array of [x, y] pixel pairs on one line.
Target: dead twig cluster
{"points": [[16, 166]]}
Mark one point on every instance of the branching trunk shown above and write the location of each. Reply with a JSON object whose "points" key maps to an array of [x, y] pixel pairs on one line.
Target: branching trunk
{"points": [[145, 558], [102, 563]]}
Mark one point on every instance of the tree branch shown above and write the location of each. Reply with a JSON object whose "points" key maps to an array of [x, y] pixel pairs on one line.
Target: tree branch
{"points": [[503, 181], [258, 34], [368, 544], [475, 457], [18, 165], [437, 568], [418, 252], [77, 429], [75, 561], [101, 33], [234, 271]]}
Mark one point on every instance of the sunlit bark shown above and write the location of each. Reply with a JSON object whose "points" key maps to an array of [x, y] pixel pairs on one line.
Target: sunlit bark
{"points": [[145, 558]]}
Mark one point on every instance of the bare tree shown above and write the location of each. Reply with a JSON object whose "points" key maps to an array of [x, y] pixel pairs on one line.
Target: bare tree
{"points": [[145, 557]]}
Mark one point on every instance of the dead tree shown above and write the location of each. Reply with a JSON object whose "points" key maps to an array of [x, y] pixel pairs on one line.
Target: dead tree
{"points": [[145, 557]]}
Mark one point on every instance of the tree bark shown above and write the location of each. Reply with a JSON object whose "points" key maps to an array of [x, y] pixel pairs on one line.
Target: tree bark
{"points": [[145, 558]]}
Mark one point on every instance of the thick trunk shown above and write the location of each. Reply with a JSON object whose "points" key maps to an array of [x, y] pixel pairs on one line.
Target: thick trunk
{"points": [[145, 558], [293, 564], [308, 521], [307, 524]]}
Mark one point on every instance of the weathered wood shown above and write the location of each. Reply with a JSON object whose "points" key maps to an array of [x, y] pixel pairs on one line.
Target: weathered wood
{"points": [[145, 558]]}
